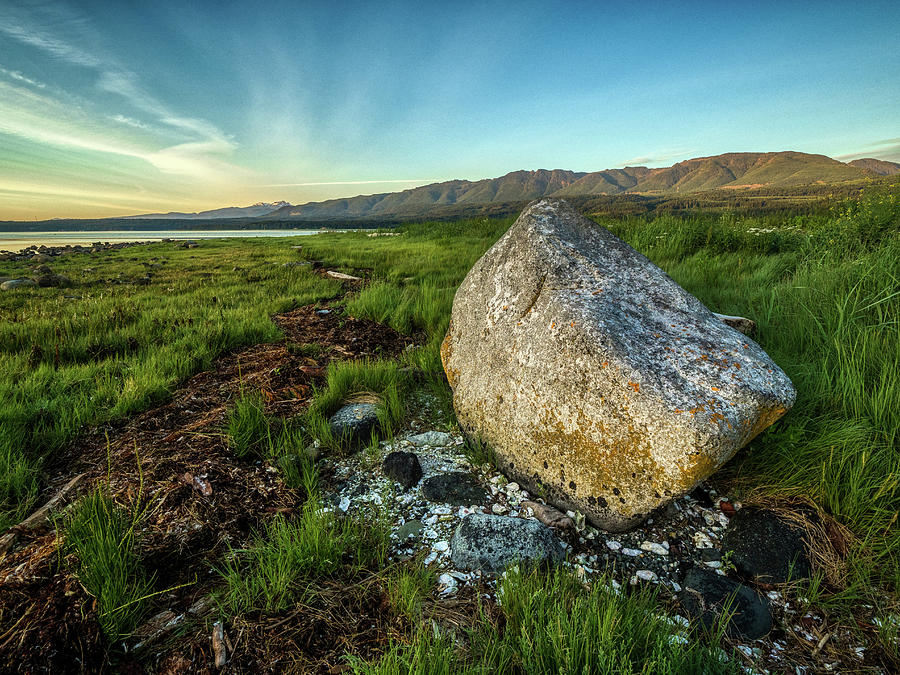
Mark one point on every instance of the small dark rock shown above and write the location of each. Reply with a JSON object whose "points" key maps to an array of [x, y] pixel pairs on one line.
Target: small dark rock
{"points": [[403, 467], [702, 497], [457, 488], [710, 554], [353, 424], [767, 549], [52, 280], [491, 543], [706, 595]]}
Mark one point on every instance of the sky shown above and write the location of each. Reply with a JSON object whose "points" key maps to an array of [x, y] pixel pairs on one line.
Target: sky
{"points": [[116, 108]]}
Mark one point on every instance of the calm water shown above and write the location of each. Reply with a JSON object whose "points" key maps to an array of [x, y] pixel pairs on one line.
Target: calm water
{"points": [[16, 241]]}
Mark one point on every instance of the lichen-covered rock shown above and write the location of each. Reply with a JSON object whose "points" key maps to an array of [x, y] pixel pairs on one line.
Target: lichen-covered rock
{"points": [[353, 423], [491, 543], [599, 382]]}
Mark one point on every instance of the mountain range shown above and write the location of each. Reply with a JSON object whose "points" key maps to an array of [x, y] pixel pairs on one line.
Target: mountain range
{"points": [[731, 171], [252, 211]]}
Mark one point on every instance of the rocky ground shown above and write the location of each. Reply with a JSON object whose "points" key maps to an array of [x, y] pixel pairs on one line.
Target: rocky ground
{"points": [[699, 551]]}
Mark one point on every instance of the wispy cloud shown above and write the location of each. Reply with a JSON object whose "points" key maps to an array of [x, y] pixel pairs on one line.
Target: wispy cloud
{"points": [[658, 157], [887, 149], [356, 182], [19, 77], [62, 34], [129, 121]]}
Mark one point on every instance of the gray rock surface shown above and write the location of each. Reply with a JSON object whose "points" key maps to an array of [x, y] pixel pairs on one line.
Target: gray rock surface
{"points": [[491, 543], [457, 488], [354, 423], [706, 595], [13, 284], [766, 548], [411, 528], [597, 380], [434, 438]]}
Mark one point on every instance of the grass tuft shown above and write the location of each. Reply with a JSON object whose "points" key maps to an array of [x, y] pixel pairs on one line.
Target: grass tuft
{"points": [[282, 565], [101, 535]]}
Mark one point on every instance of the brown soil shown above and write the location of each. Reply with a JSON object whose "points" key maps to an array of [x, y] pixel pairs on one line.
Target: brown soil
{"points": [[199, 500]]}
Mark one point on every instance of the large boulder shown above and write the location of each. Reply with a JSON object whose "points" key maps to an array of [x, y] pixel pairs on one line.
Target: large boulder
{"points": [[597, 380]]}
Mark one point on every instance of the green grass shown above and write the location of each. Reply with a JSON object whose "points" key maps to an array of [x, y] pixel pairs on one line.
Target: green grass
{"points": [[247, 426], [823, 287], [285, 562], [113, 349], [101, 536], [553, 624], [407, 589]]}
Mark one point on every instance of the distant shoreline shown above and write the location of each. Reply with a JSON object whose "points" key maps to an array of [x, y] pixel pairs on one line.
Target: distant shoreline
{"points": [[18, 241]]}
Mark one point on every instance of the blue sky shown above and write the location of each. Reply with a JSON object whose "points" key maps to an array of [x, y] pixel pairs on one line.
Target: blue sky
{"points": [[109, 108]]}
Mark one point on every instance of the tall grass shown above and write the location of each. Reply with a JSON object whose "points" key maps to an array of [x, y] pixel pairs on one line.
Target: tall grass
{"points": [[247, 426], [553, 624], [102, 537], [380, 382], [105, 348], [286, 561]]}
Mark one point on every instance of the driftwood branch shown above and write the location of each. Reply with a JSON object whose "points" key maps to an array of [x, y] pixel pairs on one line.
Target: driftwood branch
{"points": [[39, 517]]}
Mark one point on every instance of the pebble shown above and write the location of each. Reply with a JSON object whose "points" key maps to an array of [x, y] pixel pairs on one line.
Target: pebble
{"points": [[447, 585], [613, 545], [644, 575], [633, 552], [653, 547], [441, 546]]}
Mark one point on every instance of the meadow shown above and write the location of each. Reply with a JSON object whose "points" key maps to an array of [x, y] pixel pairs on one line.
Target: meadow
{"points": [[824, 289]]}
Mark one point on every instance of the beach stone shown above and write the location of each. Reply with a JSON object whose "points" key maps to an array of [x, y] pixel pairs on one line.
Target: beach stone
{"points": [[13, 284], [411, 528], [432, 438], [766, 548], [596, 379], [403, 467], [457, 488], [354, 423], [491, 543], [705, 595], [41, 258]]}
